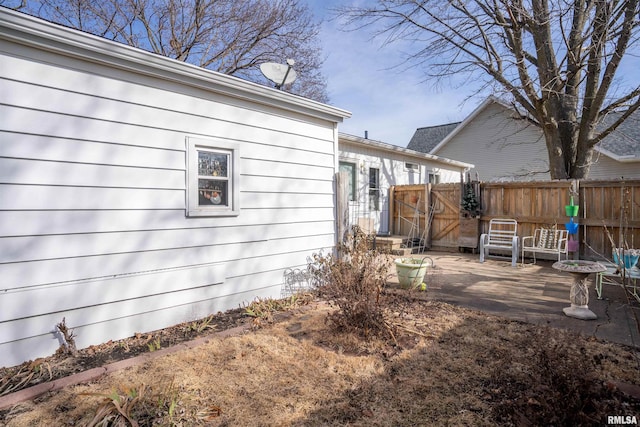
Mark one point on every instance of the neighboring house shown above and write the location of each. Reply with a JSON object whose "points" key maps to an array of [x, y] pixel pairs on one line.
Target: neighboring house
{"points": [[503, 146], [499, 144], [139, 192], [375, 166], [618, 155]]}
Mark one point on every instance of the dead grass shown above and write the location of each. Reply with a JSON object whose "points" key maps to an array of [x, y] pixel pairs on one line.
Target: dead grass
{"points": [[452, 367]]}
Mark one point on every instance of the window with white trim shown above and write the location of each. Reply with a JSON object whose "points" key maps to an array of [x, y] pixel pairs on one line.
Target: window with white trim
{"points": [[411, 166], [213, 178], [374, 189]]}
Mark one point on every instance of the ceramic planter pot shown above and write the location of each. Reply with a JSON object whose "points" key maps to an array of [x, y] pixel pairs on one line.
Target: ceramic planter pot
{"points": [[572, 227], [411, 271], [571, 210], [629, 256], [573, 245]]}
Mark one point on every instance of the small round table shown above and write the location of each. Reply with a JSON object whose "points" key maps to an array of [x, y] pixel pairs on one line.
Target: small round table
{"points": [[579, 294]]}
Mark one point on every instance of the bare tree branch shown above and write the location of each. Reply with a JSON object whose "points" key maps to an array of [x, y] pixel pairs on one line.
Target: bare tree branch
{"points": [[557, 59]]}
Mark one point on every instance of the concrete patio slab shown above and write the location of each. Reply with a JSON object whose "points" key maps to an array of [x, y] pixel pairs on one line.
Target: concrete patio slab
{"points": [[530, 293]]}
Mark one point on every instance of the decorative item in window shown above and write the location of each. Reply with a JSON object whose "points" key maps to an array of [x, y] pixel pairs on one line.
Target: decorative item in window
{"points": [[212, 164], [212, 191]]}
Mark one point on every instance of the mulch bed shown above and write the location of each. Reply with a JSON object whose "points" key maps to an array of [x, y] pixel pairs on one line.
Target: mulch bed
{"points": [[64, 363]]}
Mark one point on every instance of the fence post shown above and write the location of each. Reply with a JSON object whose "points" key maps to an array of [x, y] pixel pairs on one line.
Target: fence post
{"points": [[428, 214], [391, 216]]}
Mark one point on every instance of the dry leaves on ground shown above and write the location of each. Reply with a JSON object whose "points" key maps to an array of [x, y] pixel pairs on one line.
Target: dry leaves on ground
{"points": [[452, 366]]}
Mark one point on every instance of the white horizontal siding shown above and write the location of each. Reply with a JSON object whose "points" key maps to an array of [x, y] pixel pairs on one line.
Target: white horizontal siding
{"points": [[42, 223], [47, 173], [604, 167], [22, 144], [92, 201], [270, 144], [500, 146], [27, 197], [47, 272], [105, 291], [392, 166], [37, 248]]}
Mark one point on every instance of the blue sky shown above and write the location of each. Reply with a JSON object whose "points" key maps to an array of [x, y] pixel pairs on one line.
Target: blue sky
{"points": [[387, 102], [391, 103]]}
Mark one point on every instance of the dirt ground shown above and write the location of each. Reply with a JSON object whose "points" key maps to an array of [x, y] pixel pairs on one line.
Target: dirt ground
{"points": [[448, 366]]}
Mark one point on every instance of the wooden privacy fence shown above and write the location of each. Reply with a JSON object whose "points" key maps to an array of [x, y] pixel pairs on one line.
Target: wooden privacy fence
{"points": [[614, 204], [611, 204]]}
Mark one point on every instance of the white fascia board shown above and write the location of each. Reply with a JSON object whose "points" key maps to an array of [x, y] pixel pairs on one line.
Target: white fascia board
{"points": [[368, 143], [617, 158], [27, 30]]}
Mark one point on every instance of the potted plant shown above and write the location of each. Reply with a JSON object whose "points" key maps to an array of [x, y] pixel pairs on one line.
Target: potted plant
{"points": [[411, 271], [470, 204]]}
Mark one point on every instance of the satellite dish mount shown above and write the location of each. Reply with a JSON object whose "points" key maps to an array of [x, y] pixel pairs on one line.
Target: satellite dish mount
{"points": [[279, 74]]}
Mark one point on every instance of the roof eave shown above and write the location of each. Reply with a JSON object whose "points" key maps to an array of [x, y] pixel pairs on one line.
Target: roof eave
{"points": [[368, 143], [618, 158]]}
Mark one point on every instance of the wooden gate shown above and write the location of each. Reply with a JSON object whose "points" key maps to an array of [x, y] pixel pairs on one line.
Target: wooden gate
{"points": [[413, 207], [445, 225], [408, 205]]}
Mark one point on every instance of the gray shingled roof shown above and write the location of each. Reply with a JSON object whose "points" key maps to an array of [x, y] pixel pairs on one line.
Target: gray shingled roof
{"points": [[425, 139], [625, 140]]}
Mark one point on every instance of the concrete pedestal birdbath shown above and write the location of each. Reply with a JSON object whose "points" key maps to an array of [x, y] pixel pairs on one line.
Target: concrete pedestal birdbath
{"points": [[579, 294]]}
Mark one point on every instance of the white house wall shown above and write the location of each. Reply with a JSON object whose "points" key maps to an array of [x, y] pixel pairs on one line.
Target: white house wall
{"points": [[604, 167], [500, 147], [392, 172], [92, 201]]}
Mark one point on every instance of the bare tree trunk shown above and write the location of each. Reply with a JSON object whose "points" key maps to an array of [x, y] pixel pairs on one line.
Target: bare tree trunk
{"points": [[583, 164], [555, 148]]}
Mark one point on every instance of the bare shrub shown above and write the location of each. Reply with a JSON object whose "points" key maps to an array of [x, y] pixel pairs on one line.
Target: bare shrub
{"points": [[353, 278]]}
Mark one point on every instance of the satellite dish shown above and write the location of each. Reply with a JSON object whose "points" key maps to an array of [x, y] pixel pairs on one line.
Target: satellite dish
{"points": [[280, 74]]}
